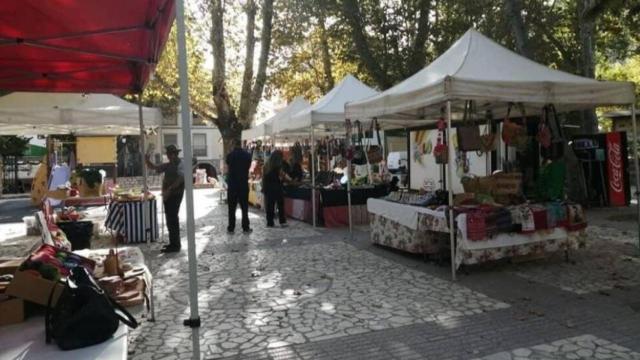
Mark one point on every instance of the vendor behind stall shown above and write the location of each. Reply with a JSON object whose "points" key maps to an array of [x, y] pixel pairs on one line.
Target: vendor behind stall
{"points": [[273, 175]]}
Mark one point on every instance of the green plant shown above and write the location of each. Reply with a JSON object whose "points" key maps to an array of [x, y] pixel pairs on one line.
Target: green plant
{"points": [[90, 176]]}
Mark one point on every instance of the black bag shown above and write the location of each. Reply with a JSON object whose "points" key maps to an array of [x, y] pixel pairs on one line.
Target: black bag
{"points": [[469, 132], [84, 314]]}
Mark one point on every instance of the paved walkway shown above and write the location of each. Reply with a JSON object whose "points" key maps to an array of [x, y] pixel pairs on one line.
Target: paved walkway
{"points": [[304, 293]]}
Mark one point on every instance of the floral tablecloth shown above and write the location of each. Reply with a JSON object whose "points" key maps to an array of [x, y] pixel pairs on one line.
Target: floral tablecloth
{"points": [[389, 233], [424, 231]]}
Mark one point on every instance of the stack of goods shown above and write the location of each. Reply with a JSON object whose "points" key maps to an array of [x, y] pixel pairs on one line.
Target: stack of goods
{"points": [[429, 199], [122, 281], [485, 222], [134, 194], [52, 263]]}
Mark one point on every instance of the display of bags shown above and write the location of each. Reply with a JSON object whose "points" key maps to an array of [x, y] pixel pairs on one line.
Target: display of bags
{"points": [[488, 138], [469, 132], [374, 153], [555, 150], [84, 315]]}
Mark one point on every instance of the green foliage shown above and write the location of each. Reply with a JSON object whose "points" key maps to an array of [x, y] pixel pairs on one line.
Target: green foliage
{"points": [[627, 70], [13, 145], [163, 90]]}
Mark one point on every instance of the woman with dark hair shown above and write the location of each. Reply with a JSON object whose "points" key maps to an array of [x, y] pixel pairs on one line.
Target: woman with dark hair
{"points": [[272, 177]]}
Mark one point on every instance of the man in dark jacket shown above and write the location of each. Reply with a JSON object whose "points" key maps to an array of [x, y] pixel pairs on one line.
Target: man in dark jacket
{"points": [[238, 164], [172, 193]]}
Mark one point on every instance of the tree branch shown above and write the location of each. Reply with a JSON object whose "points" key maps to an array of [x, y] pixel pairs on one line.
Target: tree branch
{"points": [[200, 109], [513, 10], [419, 50], [265, 48], [351, 12], [324, 47]]}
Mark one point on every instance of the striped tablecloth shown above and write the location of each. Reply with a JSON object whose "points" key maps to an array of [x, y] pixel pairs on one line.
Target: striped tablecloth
{"points": [[126, 219]]}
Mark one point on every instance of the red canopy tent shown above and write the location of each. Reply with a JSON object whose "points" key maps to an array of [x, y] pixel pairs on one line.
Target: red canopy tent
{"points": [[97, 46], [92, 46]]}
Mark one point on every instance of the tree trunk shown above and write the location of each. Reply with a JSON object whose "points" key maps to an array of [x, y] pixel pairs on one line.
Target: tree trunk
{"points": [[419, 51], [586, 36], [351, 12], [265, 48], [247, 79], [326, 55], [513, 10]]}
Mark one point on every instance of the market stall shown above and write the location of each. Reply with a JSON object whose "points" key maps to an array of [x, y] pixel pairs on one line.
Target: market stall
{"points": [[477, 75], [325, 117], [84, 48]]}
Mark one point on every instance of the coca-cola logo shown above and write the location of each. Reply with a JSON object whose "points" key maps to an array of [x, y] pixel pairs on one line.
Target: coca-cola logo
{"points": [[615, 167]]}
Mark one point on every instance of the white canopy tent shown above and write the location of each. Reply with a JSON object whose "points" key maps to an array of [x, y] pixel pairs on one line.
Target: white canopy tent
{"points": [[265, 128], [326, 115], [328, 111], [477, 68], [27, 113]]}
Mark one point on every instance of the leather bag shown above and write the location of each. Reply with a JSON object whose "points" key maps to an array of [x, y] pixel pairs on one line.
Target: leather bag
{"points": [[84, 314], [469, 132]]}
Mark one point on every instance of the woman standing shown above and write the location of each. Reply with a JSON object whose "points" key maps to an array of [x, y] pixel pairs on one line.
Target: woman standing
{"points": [[272, 177]]}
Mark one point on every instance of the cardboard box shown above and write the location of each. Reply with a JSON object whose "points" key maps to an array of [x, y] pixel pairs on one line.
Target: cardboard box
{"points": [[10, 266], [11, 311], [33, 288]]}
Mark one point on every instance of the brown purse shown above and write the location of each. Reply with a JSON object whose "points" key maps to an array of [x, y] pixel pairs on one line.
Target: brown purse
{"points": [[469, 131], [488, 139]]}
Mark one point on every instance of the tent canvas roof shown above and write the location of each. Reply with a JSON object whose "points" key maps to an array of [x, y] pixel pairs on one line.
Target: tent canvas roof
{"points": [[477, 68], [24, 113], [82, 46], [266, 127], [329, 110]]}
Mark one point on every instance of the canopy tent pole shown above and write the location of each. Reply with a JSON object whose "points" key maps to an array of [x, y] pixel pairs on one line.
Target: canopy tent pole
{"points": [[145, 209], [194, 317], [636, 165], [452, 226], [313, 176], [348, 144]]}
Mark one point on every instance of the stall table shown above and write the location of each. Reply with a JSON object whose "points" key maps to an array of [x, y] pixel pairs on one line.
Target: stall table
{"points": [[335, 209], [27, 341], [126, 219], [425, 231]]}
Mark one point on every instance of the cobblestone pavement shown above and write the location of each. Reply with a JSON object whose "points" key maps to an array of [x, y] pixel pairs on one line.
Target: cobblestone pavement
{"points": [[304, 293]]}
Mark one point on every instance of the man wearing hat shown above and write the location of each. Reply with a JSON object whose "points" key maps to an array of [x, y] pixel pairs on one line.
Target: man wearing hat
{"points": [[172, 192]]}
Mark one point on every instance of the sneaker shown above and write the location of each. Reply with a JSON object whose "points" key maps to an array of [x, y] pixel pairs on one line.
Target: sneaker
{"points": [[230, 231], [284, 225], [170, 249], [270, 225], [247, 230]]}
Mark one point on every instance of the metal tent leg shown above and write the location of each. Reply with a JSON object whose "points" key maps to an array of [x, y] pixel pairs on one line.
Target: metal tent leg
{"points": [[452, 226], [636, 165]]}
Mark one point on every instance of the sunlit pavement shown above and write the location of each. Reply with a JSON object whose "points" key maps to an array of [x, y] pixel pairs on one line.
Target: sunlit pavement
{"points": [[304, 293]]}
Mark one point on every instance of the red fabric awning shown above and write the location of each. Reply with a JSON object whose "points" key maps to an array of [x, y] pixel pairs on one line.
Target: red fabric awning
{"points": [[97, 46]]}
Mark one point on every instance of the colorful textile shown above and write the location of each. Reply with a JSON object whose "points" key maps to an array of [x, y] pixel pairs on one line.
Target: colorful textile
{"points": [[390, 233]]}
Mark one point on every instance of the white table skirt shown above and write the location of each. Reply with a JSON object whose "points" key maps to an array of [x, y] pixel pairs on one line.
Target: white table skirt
{"points": [[403, 214], [27, 341]]}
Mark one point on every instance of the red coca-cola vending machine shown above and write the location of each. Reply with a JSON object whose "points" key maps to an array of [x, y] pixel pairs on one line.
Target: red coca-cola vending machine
{"points": [[605, 162]]}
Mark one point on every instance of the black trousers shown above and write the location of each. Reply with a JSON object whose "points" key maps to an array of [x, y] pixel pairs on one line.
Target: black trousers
{"points": [[235, 197], [171, 210], [271, 201]]}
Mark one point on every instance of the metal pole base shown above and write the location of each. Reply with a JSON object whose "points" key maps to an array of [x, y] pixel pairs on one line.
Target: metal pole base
{"points": [[192, 323]]}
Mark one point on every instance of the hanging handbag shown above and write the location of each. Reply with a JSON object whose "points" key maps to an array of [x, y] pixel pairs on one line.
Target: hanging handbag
{"points": [[468, 132], [84, 314], [556, 148], [544, 134], [514, 134], [440, 151], [374, 153], [488, 139]]}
